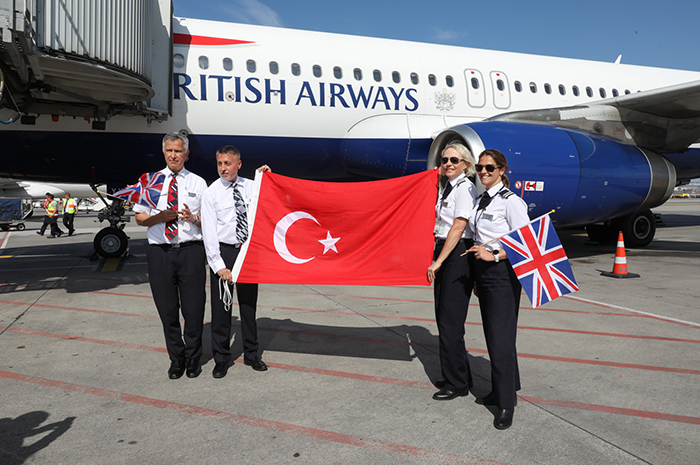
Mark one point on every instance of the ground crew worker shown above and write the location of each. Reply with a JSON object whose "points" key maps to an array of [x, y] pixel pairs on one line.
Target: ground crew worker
{"points": [[51, 218], [70, 208]]}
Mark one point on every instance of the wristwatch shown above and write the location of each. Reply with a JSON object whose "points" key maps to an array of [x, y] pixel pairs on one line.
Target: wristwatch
{"points": [[495, 255]]}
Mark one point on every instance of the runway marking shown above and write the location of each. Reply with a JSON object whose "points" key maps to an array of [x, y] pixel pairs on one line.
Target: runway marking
{"points": [[269, 425], [89, 310], [615, 410], [367, 339], [110, 264], [647, 314], [3, 241]]}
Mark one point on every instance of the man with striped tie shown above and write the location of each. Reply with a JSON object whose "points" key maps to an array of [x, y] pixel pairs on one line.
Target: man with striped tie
{"points": [[225, 229], [176, 257]]}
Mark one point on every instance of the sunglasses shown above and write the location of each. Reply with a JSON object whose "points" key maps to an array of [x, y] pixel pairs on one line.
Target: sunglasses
{"points": [[488, 168], [453, 160]]}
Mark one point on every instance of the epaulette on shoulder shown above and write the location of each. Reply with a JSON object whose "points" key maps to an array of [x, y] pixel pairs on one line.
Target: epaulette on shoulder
{"points": [[505, 193]]}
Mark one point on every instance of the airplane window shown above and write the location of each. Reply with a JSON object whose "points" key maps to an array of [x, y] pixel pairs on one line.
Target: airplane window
{"points": [[449, 81], [228, 64], [338, 72], [615, 93], [178, 60], [602, 92], [627, 92], [500, 85], [250, 65], [357, 72], [562, 89], [203, 62], [274, 67], [548, 88], [296, 69], [431, 79], [589, 91], [396, 77], [377, 75], [475, 83], [414, 78], [575, 90], [518, 86], [533, 87], [317, 71]]}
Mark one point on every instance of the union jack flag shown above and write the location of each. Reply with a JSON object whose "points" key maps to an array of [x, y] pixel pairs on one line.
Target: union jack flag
{"points": [[146, 192], [539, 261]]}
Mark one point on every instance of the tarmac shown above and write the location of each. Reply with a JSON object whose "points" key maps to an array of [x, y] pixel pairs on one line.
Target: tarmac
{"points": [[609, 373]]}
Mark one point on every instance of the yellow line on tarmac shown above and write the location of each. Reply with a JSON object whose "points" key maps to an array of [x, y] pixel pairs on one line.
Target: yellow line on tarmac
{"points": [[110, 264]]}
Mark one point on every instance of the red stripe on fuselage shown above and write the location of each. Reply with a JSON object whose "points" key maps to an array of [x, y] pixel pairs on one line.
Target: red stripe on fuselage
{"points": [[187, 39]]}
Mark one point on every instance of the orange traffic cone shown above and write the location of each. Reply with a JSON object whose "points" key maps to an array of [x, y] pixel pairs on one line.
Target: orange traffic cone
{"points": [[620, 266]]}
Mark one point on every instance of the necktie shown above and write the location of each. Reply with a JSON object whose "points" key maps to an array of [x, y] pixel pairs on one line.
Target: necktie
{"points": [[447, 190], [485, 201], [171, 226], [241, 216]]}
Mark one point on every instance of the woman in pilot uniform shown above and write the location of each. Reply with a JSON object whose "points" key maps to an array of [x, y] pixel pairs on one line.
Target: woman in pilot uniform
{"points": [[453, 275], [497, 212]]}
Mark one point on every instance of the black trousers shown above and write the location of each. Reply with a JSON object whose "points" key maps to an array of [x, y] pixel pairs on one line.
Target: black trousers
{"points": [[452, 289], [68, 222], [221, 319], [178, 281], [48, 221], [499, 299]]}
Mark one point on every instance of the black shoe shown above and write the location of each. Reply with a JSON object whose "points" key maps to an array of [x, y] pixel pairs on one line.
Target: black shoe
{"points": [[446, 394], [194, 368], [60, 233], [40, 233], [70, 233], [177, 369], [51, 237], [220, 370], [504, 418], [490, 399], [256, 364]]}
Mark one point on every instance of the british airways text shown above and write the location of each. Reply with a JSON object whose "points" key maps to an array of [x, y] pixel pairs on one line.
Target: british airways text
{"points": [[315, 94]]}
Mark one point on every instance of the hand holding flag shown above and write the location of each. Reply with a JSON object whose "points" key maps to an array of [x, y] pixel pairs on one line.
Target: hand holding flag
{"points": [[146, 192]]}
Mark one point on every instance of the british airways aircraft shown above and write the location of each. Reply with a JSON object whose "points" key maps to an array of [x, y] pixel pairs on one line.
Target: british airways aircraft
{"points": [[600, 143]]}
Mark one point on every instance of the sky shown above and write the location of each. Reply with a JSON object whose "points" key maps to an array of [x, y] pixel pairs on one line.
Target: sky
{"points": [[663, 34]]}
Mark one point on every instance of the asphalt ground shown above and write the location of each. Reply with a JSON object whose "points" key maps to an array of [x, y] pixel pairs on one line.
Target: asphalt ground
{"points": [[609, 374]]}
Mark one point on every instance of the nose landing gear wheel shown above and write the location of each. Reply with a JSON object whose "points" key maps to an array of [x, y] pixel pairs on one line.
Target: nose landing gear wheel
{"points": [[110, 242]]}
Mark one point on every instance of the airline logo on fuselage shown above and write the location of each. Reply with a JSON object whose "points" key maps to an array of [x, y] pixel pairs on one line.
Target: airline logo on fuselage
{"points": [[313, 94]]}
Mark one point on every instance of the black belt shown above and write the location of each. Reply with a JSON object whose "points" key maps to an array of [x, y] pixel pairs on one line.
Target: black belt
{"points": [[442, 241], [235, 246], [178, 245]]}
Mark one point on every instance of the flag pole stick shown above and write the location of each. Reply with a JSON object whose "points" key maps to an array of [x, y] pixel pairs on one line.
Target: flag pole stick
{"points": [[498, 238]]}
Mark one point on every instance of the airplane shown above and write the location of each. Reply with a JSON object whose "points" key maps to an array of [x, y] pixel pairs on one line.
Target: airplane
{"points": [[599, 143], [23, 189]]}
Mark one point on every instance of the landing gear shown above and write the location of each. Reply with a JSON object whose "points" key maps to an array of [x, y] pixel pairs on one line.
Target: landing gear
{"points": [[638, 229], [111, 242]]}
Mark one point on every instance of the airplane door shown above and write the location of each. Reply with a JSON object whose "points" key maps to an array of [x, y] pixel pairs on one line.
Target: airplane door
{"points": [[476, 94], [501, 93]]}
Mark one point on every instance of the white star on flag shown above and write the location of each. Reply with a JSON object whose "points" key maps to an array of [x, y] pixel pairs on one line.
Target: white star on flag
{"points": [[329, 243]]}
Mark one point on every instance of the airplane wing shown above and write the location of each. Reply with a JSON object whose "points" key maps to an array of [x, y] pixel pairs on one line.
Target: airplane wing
{"points": [[666, 120]]}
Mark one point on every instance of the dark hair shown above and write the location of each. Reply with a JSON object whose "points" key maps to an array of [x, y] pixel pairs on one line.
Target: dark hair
{"points": [[229, 149], [500, 160]]}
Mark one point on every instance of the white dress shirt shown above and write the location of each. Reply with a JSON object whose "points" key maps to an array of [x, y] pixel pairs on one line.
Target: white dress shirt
{"points": [[458, 204], [219, 217], [500, 217], [190, 189]]}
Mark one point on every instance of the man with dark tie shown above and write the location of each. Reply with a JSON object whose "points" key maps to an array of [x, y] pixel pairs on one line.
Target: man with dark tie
{"points": [[225, 229], [176, 257]]}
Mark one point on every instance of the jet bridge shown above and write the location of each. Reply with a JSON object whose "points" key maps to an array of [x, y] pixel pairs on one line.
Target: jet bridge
{"points": [[86, 58]]}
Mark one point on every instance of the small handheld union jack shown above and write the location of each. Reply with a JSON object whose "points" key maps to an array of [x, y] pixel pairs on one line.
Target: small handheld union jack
{"points": [[146, 192], [539, 261]]}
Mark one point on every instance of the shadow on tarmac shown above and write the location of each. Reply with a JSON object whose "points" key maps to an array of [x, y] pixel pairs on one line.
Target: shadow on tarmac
{"points": [[16, 433]]}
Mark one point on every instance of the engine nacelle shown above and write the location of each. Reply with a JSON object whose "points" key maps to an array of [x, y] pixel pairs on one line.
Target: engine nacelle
{"points": [[585, 178]]}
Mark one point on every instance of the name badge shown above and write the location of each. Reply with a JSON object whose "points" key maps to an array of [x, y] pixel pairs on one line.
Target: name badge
{"points": [[487, 217], [192, 194]]}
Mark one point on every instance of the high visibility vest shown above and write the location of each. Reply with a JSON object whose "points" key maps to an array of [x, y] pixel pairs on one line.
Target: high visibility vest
{"points": [[69, 206], [52, 209]]}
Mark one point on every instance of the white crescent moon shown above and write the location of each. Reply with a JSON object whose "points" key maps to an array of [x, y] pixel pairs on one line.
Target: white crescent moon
{"points": [[280, 237]]}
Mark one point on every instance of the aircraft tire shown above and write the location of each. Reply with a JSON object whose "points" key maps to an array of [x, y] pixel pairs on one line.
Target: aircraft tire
{"points": [[638, 228], [110, 242]]}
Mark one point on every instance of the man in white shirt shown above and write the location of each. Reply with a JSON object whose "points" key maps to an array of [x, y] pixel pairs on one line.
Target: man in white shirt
{"points": [[176, 257], [225, 229]]}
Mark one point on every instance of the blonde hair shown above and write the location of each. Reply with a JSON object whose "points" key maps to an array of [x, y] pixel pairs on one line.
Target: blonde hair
{"points": [[464, 154]]}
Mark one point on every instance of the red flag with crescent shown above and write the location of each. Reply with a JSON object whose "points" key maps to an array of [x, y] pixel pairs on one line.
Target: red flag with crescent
{"points": [[362, 233]]}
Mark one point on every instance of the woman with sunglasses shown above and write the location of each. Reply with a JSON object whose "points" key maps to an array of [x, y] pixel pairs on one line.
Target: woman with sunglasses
{"points": [[451, 274], [498, 211]]}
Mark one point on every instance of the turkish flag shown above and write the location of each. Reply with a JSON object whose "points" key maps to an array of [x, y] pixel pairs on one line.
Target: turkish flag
{"points": [[368, 233]]}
